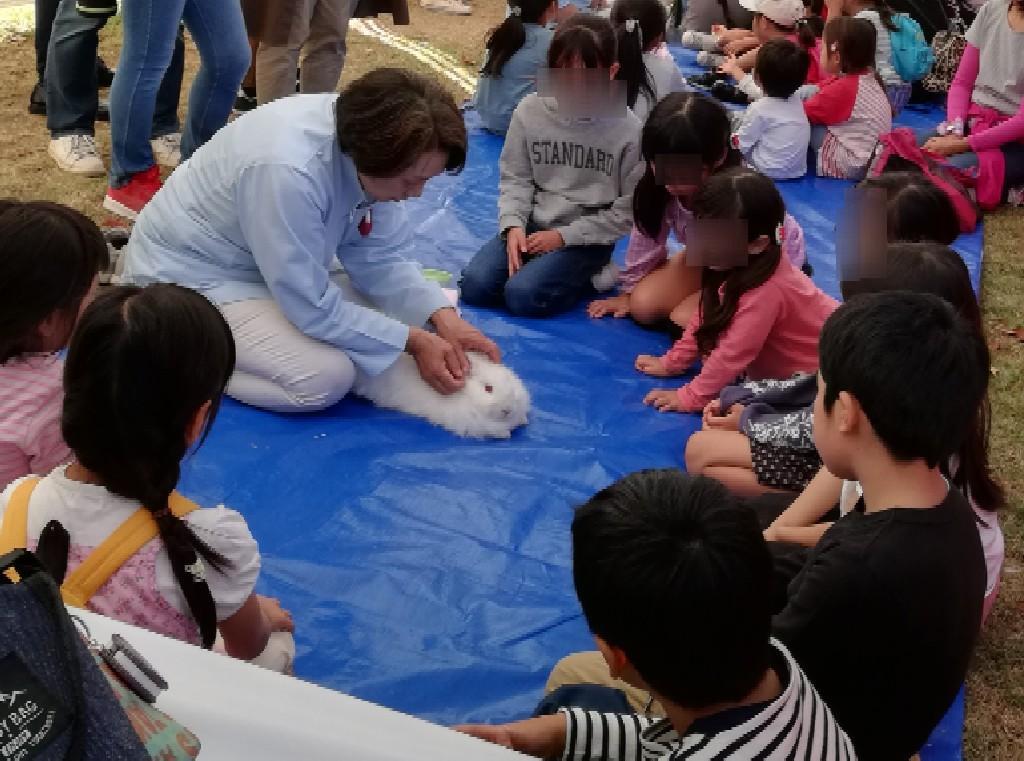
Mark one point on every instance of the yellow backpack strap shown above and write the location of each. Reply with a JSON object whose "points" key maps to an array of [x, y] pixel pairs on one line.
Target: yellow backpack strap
{"points": [[14, 530], [102, 563]]}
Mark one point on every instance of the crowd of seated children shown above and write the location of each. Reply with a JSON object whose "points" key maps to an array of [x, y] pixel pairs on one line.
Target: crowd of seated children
{"points": [[756, 436], [684, 142], [758, 314]]}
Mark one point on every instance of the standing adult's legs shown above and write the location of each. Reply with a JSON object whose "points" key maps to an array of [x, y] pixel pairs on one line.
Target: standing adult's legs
{"points": [[165, 114], [285, 30], [325, 48], [150, 28], [72, 97], [46, 12], [218, 29]]}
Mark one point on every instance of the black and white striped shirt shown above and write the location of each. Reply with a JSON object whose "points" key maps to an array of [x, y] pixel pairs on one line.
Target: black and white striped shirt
{"points": [[796, 725]]}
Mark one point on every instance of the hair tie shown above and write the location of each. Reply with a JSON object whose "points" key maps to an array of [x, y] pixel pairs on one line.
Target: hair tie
{"points": [[515, 10], [161, 513], [780, 233]]}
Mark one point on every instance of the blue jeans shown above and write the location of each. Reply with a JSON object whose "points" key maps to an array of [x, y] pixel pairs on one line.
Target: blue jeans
{"points": [[547, 283], [71, 89], [150, 30]]}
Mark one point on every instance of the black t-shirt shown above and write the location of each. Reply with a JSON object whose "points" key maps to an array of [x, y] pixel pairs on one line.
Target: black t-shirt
{"points": [[883, 617]]}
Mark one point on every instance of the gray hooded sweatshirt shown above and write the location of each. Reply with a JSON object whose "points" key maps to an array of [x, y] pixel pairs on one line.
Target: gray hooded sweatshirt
{"points": [[573, 175]]}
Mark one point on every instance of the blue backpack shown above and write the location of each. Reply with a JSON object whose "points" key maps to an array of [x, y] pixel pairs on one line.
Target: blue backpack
{"points": [[912, 56]]}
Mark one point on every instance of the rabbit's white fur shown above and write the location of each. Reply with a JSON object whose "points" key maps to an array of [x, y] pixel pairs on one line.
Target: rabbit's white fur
{"points": [[492, 404]]}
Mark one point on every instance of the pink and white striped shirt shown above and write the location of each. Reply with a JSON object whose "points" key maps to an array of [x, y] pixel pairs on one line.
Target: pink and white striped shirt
{"points": [[644, 254], [31, 395], [857, 112]]}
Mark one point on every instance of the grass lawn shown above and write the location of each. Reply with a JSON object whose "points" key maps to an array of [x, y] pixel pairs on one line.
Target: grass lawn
{"points": [[995, 708]]}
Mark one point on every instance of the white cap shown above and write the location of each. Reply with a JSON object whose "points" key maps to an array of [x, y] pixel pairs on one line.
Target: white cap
{"points": [[783, 12]]}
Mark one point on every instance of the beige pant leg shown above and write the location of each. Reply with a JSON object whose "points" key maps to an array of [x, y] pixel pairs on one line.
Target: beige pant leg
{"points": [[277, 59], [591, 668], [324, 51]]}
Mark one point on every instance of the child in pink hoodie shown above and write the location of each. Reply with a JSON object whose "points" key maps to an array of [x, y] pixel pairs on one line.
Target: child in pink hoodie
{"points": [[759, 315]]}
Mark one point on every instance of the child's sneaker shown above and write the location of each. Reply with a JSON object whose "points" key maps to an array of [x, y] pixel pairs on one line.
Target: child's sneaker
{"points": [[127, 201], [710, 60], [167, 149], [77, 154], [606, 279], [700, 41]]}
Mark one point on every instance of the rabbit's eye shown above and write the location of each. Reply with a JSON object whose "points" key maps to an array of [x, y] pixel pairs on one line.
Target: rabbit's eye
{"points": [[489, 388]]}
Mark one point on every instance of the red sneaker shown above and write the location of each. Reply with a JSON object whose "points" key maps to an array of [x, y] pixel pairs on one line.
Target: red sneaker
{"points": [[127, 201]]}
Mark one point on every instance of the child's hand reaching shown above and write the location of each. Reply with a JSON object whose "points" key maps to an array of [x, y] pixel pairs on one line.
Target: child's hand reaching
{"points": [[280, 620], [732, 68], [544, 241], [515, 246], [616, 306], [715, 420], [664, 400], [651, 365]]}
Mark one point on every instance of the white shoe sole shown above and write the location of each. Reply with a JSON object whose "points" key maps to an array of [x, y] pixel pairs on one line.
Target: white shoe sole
{"points": [[119, 209], [448, 10], [96, 171]]}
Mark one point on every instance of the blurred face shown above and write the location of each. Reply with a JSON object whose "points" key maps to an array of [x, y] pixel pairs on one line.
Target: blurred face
{"points": [[408, 183]]}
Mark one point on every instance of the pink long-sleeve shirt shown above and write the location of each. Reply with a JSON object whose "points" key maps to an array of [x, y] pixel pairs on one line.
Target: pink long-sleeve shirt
{"points": [[645, 254], [773, 334], [30, 404], [958, 106]]}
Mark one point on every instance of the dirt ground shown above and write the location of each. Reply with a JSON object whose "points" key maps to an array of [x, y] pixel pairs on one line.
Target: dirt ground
{"points": [[995, 720]]}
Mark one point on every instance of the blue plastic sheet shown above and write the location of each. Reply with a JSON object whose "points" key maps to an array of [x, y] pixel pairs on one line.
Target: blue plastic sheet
{"points": [[429, 573]]}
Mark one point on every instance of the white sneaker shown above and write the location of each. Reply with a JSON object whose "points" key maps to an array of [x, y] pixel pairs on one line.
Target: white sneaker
{"points": [[77, 154], [453, 7], [167, 149], [699, 41], [710, 60], [606, 279]]}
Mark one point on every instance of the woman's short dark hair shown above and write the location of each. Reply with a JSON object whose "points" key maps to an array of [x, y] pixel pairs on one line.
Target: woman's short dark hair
{"points": [[49, 256], [388, 118]]}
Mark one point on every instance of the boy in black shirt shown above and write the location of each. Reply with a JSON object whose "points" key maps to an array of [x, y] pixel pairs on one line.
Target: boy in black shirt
{"points": [[885, 612]]}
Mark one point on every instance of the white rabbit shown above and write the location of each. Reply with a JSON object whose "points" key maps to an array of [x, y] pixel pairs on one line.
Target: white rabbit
{"points": [[492, 404]]}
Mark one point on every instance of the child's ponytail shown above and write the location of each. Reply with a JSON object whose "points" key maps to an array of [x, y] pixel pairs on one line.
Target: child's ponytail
{"points": [[742, 195], [682, 125], [639, 26], [510, 35], [143, 366]]}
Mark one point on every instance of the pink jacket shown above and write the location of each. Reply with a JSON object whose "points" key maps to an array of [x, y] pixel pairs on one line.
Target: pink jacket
{"points": [[773, 334], [989, 129], [644, 255]]}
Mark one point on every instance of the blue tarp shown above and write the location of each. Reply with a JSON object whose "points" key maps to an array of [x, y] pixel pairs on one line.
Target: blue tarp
{"points": [[429, 573]]}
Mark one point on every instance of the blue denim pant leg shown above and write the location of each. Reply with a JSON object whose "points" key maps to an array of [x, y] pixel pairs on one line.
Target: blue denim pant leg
{"points": [[72, 93], [555, 282], [46, 12], [150, 35], [483, 280], [165, 115]]}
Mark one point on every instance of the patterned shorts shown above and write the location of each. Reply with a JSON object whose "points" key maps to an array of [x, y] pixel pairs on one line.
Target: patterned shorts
{"points": [[784, 467]]}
